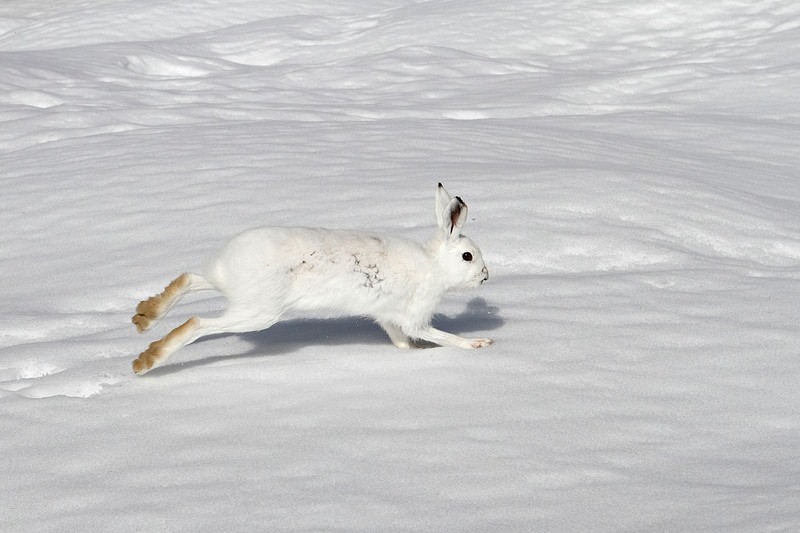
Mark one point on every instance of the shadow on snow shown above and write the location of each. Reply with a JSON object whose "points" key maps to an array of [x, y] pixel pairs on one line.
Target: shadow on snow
{"points": [[290, 335]]}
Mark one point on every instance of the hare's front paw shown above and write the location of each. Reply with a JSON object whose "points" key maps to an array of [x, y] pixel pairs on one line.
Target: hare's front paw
{"points": [[481, 343]]}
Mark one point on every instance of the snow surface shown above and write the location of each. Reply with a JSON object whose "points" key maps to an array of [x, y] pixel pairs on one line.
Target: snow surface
{"points": [[632, 175]]}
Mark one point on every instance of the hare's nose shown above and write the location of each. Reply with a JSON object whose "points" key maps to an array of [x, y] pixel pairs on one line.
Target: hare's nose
{"points": [[485, 273]]}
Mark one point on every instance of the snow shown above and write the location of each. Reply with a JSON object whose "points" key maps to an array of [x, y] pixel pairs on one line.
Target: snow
{"points": [[631, 171]]}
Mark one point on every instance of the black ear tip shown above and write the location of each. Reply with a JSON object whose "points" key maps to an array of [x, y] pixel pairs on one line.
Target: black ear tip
{"points": [[440, 185]]}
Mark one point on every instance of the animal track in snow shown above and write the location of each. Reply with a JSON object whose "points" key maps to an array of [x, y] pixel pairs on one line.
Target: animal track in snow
{"points": [[26, 370], [39, 379]]}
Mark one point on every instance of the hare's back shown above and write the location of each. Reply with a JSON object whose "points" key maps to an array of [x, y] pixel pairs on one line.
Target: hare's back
{"points": [[269, 253]]}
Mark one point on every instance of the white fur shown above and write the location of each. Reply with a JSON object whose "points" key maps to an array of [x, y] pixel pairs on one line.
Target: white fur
{"points": [[266, 272]]}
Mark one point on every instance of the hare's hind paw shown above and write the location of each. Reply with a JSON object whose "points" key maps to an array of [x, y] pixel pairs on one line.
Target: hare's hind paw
{"points": [[148, 358], [142, 322], [150, 310], [147, 312], [481, 343], [158, 351]]}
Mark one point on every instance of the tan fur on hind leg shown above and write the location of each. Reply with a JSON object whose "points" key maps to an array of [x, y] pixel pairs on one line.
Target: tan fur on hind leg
{"points": [[159, 350], [148, 311]]}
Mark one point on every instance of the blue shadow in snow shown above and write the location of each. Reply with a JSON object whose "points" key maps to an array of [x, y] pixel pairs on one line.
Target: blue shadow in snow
{"points": [[290, 335]]}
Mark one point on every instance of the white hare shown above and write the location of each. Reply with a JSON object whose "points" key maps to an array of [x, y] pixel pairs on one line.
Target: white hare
{"points": [[267, 271]]}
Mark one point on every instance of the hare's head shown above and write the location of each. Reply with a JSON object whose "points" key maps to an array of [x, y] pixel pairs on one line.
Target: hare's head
{"points": [[458, 257]]}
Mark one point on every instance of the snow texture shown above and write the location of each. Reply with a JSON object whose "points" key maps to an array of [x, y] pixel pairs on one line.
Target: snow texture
{"points": [[631, 170]]}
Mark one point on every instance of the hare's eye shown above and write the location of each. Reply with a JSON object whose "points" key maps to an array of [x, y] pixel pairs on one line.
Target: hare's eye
{"points": [[466, 256]]}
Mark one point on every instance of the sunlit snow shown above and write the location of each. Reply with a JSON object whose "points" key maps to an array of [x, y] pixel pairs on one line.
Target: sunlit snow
{"points": [[632, 171]]}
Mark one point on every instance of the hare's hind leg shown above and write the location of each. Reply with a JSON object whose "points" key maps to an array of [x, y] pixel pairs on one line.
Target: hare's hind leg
{"points": [[233, 321], [159, 350], [149, 311]]}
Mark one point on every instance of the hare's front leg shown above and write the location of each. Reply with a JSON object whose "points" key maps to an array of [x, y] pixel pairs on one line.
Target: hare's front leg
{"points": [[443, 338], [397, 336]]}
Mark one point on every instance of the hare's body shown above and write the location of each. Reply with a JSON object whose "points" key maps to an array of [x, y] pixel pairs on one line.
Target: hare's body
{"points": [[267, 272], [305, 269]]}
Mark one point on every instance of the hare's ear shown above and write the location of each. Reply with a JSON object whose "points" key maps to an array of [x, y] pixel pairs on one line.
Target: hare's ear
{"points": [[455, 217], [442, 201]]}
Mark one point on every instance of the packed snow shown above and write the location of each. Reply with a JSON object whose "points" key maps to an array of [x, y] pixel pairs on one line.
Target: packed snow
{"points": [[631, 171]]}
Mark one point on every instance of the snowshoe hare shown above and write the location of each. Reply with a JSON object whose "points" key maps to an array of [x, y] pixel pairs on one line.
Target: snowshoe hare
{"points": [[267, 271]]}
